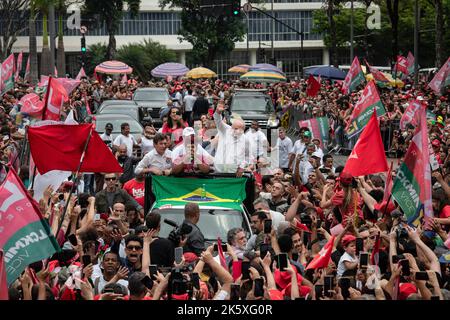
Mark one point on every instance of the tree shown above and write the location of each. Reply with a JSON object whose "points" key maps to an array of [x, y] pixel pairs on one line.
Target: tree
{"points": [[208, 34], [13, 19], [439, 27], [42, 7], [33, 45], [392, 6], [110, 12]]}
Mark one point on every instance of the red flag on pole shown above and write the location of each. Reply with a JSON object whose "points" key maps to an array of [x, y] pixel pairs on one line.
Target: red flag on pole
{"points": [[3, 281], [322, 259], [375, 257], [26, 77], [81, 74], [19, 65], [60, 146], [54, 99], [223, 262], [368, 155], [313, 86]]}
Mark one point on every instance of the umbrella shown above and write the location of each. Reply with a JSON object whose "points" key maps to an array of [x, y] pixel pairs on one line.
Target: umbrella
{"points": [[329, 72], [392, 82], [201, 72], [113, 67], [265, 67], [240, 68], [263, 76], [169, 69]]}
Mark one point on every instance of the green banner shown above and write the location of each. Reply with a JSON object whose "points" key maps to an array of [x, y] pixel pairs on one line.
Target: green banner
{"points": [[356, 81], [221, 192], [406, 191], [363, 118]]}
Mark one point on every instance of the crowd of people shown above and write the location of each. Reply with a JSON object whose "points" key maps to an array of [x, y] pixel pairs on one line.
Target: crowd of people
{"points": [[111, 248]]}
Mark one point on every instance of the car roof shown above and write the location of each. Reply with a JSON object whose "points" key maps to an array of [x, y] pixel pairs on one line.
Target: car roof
{"points": [[152, 89], [117, 102]]}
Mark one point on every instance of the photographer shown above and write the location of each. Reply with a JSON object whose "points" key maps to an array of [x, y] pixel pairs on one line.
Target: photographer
{"points": [[161, 249], [195, 241]]}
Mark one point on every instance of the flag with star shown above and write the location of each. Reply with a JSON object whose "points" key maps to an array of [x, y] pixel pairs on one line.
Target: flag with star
{"points": [[322, 259]]}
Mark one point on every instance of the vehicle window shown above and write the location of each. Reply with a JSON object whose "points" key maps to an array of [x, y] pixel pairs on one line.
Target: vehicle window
{"points": [[212, 225], [151, 96], [122, 110], [250, 103], [101, 123]]}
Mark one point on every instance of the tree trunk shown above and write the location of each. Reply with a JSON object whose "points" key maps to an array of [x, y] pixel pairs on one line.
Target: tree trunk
{"points": [[366, 32], [61, 55], [393, 16], [439, 26], [111, 50], [51, 21], [45, 55], [333, 37], [33, 49]]}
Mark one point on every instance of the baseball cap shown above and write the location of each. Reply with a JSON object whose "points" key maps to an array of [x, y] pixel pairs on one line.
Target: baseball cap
{"points": [[347, 239], [406, 289], [436, 143], [188, 131], [307, 134], [109, 126], [345, 178]]}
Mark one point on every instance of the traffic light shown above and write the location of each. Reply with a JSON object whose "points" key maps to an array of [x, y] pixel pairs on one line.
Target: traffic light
{"points": [[83, 44], [235, 7]]}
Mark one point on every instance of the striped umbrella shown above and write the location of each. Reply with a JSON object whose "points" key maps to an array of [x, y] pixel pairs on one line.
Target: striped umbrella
{"points": [[201, 72], [169, 69], [113, 67], [240, 68], [265, 67], [263, 76]]}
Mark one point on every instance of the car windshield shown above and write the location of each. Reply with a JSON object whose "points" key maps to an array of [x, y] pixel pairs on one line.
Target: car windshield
{"points": [[147, 95], [250, 103], [121, 110], [213, 222], [101, 123]]}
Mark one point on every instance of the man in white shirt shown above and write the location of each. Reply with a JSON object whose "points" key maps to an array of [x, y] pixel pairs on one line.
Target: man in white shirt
{"points": [[258, 140], [159, 160], [107, 136], [125, 138], [233, 150], [146, 142], [182, 155], [327, 167], [110, 271], [188, 102], [299, 148], [261, 204], [284, 146]]}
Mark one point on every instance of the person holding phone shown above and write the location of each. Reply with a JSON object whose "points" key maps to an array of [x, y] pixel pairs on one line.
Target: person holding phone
{"points": [[190, 156], [349, 260]]}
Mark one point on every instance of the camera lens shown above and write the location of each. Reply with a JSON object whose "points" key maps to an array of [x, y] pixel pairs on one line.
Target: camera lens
{"points": [[61, 197]]}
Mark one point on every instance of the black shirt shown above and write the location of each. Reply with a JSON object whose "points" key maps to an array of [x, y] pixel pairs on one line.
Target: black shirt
{"points": [[162, 252]]}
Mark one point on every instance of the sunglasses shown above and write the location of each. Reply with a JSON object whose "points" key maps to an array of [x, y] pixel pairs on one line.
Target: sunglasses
{"points": [[131, 248], [177, 113], [110, 179]]}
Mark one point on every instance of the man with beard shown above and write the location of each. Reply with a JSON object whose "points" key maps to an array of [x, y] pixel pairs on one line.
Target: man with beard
{"points": [[110, 271], [127, 163], [257, 223], [237, 239], [297, 255], [233, 151]]}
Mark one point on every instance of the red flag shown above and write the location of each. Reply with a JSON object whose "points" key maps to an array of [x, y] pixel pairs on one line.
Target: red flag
{"points": [[81, 74], [402, 65], [54, 99], [411, 115], [302, 226], [223, 262], [32, 105], [19, 65], [375, 257], [3, 281], [439, 79], [68, 84], [60, 146], [313, 86], [368, 155], [377, 74], [322, 259], [389, 183]]}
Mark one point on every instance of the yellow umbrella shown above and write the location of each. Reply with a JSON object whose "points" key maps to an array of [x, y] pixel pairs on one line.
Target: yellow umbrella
{"points": [[201, 72], [241, 68], [392, 82]]}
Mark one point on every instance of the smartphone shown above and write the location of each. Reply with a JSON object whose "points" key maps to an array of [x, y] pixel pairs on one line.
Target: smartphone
{"points": [[397, 258], [259, 287], [434, 298], [267, 226], [405, 267], [108, 290], [319, 224], [318, 289], [245, 270], [223, 245], [147, 282], [97, 217], [178, 255], [363, 259], [359, 245], [86, 260], [282, 261], [73, 239], [422, 275], [344, 284], [263, 249], [328, 285], [235, 291], [195, 280], [153, 269]]}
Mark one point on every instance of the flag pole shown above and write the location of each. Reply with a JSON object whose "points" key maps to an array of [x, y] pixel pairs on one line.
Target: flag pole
{"points": [[77, 180]]}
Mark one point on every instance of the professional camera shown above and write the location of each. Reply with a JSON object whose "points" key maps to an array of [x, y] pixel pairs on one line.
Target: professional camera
{"points": [[402, 233], [178, 232]]}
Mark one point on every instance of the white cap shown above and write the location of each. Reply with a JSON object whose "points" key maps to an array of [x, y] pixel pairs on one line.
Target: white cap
{"points": [[188, 131]]}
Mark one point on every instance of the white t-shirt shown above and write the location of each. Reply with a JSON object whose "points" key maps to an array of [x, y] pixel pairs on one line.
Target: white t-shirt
{"points": [[341, 266], [189, 101], [277, 218], [154, 159], [146, 145], [180, 151], [258, 142], [284, 149], [128, 141], [97, 274]]}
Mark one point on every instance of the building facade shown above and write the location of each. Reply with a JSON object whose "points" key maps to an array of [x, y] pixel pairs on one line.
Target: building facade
{"points": [[162, 26]]}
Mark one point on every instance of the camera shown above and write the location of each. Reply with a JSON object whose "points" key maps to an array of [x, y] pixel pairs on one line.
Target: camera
{"points": [[402, 233], [306, 219], [178, 232]]}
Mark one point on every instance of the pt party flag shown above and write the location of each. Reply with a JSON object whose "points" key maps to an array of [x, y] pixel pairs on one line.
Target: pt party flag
{"points": [[320, 128], [368, 155], [25, 236], [54, 99], [441, 79], [354, 77], [7, 74], [313, 86], [322, 259]]}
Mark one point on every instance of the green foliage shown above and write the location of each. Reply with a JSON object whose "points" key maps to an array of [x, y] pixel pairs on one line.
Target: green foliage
{"points": [[379, 42], [142, 57]]}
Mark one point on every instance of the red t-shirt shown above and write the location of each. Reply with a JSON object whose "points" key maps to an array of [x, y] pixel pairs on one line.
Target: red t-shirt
{"points": [[338, 200], [445, 212], [136, 190]]}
